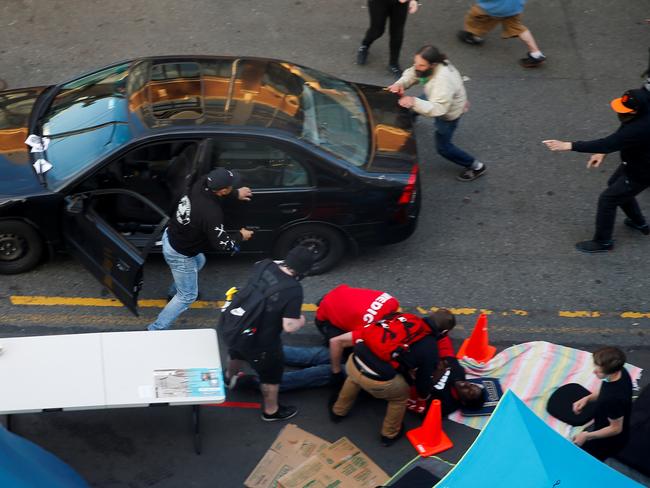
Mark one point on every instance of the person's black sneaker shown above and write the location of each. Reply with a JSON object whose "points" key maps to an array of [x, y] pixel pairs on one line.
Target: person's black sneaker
{"points": [[469, 38], [594, 246], [282, 413], [389, 441], [644, 229], [362, 55], [531, 62], [471, 174], [395, 70]]}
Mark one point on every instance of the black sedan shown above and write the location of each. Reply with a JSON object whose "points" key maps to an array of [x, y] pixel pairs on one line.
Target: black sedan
{"points": [[95, 165]]}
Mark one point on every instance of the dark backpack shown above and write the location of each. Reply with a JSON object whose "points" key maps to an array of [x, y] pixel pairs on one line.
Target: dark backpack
{"points": [[239, 319], [392, 336]]}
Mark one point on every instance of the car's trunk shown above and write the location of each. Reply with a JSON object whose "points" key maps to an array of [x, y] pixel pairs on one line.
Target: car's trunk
{"points": [[394, 145]]}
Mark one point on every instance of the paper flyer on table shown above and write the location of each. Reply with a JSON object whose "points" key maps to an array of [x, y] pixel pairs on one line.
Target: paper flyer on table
{"points": [[190, 382]]}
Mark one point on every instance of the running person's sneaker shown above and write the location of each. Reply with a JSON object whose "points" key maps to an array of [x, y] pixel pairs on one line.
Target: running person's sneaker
{"points": [[531, 62], [284, 412], [594, 246], [469, 38], [471, 174], [644, 229], [362, 55]]}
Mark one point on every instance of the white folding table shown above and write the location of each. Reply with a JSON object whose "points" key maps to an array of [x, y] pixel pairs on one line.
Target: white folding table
{"points": [[111, 370]]}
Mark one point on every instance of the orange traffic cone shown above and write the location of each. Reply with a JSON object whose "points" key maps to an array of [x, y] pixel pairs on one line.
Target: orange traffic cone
{"points": [[477, 346], [429, 439]]}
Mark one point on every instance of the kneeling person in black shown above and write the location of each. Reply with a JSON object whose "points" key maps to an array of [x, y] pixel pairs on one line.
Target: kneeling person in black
{"points": [[282, 312], [611, 422]]}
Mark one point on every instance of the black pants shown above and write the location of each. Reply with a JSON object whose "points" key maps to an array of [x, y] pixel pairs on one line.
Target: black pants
{"points": [[601, 449], [620, 192], [380, 11]]}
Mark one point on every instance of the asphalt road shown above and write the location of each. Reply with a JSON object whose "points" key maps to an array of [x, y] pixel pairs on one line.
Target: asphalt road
{"points": [[503, 243]]}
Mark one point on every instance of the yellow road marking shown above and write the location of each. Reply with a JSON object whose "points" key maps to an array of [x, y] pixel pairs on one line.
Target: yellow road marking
{"points": [[27, 300], [578, 314]]}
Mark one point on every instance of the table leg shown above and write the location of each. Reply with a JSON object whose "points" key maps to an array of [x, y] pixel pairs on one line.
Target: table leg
{"points": [[8, 422], [196, 420]]}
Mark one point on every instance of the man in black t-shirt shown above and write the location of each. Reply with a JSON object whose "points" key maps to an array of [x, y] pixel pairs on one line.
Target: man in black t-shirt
{"points": [[282, 313], [611, 422]]}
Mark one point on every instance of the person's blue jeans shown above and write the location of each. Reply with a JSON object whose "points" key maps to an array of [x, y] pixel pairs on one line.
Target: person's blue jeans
{"points": [[185, 288], [315, 367], [444, 132]]}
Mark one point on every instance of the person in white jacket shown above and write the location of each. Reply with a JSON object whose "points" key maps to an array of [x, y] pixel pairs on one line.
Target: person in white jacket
{"points": [[444, 99]]}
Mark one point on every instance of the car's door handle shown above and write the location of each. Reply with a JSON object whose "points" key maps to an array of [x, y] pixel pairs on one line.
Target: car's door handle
{"points": [[290, 208]]}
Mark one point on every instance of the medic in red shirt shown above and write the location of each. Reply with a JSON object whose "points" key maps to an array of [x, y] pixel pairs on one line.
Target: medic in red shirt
{"points": [[345, 309]]}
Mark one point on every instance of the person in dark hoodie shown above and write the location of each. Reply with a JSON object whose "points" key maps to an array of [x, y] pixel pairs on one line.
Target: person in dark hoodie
{"points": [[196, 227], [632, 176]]}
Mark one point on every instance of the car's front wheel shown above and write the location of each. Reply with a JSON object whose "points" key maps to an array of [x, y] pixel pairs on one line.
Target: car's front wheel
{"points": [[21, 248], [326, 242]]}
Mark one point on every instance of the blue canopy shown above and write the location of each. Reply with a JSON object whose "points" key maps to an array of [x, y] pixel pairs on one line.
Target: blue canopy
{"points": [[516, 448], [24, 464]]}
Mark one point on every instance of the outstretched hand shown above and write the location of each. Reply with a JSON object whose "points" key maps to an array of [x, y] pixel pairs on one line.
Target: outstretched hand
{"points": [[555, 145]]}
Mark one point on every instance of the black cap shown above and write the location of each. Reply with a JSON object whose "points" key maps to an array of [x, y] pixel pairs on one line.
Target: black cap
{"points": [[220, 178], [300, 259]]}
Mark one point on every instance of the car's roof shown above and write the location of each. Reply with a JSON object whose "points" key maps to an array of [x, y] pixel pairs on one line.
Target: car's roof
{"points": [[191, 91]]}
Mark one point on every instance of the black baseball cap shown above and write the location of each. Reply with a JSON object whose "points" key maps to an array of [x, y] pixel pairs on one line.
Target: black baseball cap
{"points": [[220, 178], [300, 259]]}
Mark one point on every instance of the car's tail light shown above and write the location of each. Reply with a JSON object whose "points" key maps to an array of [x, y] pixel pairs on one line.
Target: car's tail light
{"points": [[409, 193]]}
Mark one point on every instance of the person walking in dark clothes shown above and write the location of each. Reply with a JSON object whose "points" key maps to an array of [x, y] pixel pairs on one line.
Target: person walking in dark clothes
{"points": [[196, 227], [380, 11], [632, 139], [611, 422]]}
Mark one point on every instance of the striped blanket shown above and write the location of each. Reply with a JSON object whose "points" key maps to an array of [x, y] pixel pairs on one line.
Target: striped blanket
{"points": [[534, 370]]}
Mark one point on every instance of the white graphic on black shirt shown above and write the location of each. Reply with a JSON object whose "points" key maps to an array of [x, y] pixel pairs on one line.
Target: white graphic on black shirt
{"points": [[183, 211], [224, 239], [442, 382]]}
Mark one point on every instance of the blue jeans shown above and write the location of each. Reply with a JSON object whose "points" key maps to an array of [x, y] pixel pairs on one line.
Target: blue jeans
{"points": [[185, 272], [315, 364], [444, 132]]}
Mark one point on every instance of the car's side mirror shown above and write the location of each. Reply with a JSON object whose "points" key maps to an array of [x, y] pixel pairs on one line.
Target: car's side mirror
{"points": [[74, 204]]}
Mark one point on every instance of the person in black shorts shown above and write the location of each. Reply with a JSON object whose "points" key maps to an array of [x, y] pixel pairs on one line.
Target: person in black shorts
{"points": [[282, 312], [611, 423]]}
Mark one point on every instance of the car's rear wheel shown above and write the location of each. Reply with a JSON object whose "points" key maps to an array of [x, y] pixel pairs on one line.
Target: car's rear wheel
{"points": [[21, 248], [326, 242]]}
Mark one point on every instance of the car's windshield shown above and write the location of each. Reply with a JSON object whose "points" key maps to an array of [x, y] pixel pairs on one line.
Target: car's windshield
{"points": [[87, 119], [335, 118]]}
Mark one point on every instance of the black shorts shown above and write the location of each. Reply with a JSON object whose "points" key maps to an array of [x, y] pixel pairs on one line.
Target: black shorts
{"points": [[269, 365]]}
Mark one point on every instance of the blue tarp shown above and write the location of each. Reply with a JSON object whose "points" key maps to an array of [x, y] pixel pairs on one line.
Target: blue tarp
{"points": [[24, 464], [517, 449]]}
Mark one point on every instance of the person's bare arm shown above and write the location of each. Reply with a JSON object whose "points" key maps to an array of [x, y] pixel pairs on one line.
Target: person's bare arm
{"points": [[292, 325], [337, 344], [615, 427]]}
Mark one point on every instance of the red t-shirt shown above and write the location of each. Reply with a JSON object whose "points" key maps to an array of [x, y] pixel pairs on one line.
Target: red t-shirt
{"points": [[351, 308]]}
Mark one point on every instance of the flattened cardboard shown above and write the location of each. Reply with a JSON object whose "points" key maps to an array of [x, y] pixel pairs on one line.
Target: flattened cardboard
{"points": [[291, 448], [342, 465]]}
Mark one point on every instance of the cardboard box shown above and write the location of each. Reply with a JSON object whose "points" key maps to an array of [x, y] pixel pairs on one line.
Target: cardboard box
{"points": [[341, 465], [291, 448]]}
